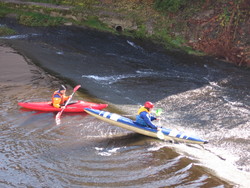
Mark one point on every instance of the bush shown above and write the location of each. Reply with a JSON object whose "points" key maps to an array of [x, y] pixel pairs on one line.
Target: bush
{"points": [[4, 10], [37, 19], [169, 5], [6, 31], [94, 22]]}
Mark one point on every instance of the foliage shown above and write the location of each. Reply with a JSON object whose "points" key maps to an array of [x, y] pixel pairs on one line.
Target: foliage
{"points": [[140, 32], [45, 1], [224, 18], [6, 31], [37, 19], [165, 38], [205, 24], [85, 3], [4, 10], [94, 22], [169, 5]]}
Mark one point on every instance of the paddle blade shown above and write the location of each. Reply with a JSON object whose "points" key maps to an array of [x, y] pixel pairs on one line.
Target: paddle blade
{"points": [[58, 116], [58, 121], [160, 135], [158, 112], [76, 88]]}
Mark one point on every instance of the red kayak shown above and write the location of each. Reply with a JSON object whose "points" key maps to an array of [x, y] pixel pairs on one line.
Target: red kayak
{"points": [[71, 107]]}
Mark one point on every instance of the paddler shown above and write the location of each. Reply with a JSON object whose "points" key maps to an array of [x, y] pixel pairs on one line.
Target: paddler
{"points": [[59, 98], [144, 117]]}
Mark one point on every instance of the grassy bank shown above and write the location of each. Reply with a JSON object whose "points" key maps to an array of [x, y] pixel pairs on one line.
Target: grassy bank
{"points": [[200, 27], [87, 13], [5, 31]]}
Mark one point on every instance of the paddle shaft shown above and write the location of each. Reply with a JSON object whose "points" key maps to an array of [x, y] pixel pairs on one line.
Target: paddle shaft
{"points": [[60, 113]]}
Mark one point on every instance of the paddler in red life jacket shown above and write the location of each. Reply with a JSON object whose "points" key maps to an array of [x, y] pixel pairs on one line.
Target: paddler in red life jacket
{"points": [[143, 116], [59, 98]]}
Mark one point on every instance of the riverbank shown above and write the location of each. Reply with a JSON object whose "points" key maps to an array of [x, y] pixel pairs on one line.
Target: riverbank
{"points": [[14, 70], [216, 28], [20, 79]]}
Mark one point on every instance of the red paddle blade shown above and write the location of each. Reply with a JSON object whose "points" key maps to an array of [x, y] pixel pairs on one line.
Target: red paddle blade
{"points": [[76, 88], [58, 116]]}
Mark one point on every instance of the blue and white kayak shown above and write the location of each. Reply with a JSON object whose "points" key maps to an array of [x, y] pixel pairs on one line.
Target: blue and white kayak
{"points": [[126, 123]]}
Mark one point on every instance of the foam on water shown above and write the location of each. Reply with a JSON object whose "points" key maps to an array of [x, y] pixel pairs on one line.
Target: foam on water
{"points": [[134, 45], [222, 167], [106, 80], [60, 53], [105, 151], [227, 153], [138, 74], [19, 36]]}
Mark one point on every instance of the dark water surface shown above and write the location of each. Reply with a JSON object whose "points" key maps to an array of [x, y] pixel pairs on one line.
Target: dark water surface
{"points": [[200, 96]]}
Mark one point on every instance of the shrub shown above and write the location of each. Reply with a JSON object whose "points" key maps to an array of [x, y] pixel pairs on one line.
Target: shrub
{"points": [[169, 5], [37, 19], [6, 31]]}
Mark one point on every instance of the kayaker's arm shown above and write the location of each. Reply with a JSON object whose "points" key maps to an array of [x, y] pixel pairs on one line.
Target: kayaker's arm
{"points": [[153, 118], [66, 98], [145, 116]]}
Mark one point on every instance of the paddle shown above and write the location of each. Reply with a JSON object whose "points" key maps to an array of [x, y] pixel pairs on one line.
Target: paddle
{"points": [[158, 112], [58, 115], [159, 134]]}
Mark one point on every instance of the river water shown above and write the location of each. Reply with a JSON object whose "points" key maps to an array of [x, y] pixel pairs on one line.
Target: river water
{"points": [[200, 96]]}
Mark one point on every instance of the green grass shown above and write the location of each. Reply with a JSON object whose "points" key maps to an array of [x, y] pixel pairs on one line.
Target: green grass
{"points": [[169, 5], [84, 3], [94, 22], [29, 16], [5, 31], [56, 2], [37, 19], [4, 10], [140, 33]]}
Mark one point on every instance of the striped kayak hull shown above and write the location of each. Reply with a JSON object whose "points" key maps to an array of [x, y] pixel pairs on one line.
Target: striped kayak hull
{"points": [[126, 123]]}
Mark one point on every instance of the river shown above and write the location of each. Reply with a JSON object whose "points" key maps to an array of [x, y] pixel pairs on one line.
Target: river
{"points": [[201, 96]]}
